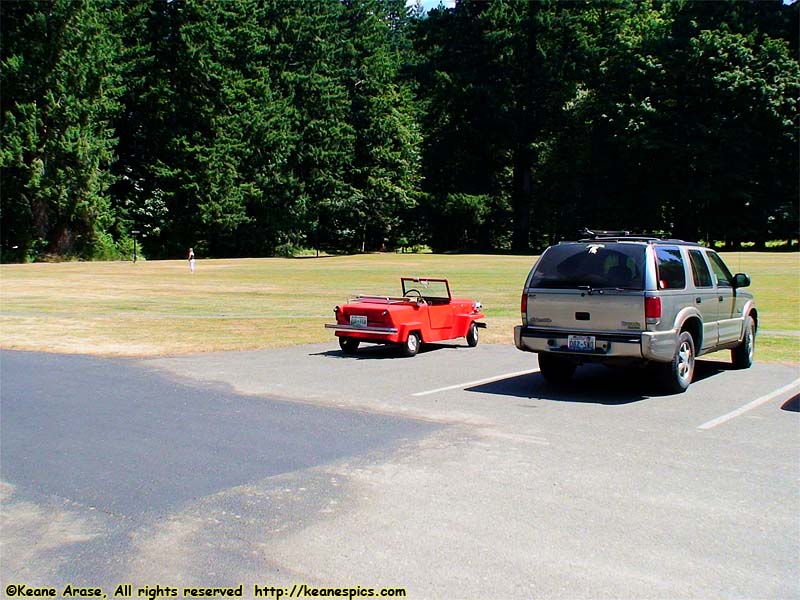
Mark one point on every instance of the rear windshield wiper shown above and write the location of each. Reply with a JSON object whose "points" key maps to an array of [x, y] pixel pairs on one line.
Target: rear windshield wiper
{"points": [[591, 289]]}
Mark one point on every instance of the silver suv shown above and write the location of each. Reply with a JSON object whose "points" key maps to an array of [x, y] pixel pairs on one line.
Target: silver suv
{"points": [[620, 299]]}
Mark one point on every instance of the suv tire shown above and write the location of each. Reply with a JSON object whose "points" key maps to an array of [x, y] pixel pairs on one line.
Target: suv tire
{"points": [[678, 373], [554, 369], [742, 355]]}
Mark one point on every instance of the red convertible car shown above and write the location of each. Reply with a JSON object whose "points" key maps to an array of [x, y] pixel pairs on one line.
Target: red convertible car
{"points": [[426, 312]]}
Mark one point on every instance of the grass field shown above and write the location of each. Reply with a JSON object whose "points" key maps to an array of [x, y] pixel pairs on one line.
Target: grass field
{"points": [[158, 307]]}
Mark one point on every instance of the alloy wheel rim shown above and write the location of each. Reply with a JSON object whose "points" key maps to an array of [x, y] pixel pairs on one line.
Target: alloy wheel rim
{"points": [[685, 362]]}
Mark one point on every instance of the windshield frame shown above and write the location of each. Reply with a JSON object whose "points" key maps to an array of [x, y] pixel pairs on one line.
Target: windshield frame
{"points": [[423, 285]]}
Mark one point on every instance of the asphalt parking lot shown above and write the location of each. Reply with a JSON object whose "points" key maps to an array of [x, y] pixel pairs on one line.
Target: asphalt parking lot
{"points": [[510, 488], [598, 490]]}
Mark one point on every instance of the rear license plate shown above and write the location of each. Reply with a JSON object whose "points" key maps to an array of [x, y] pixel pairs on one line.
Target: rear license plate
{"points": [[358, 320], [581, 343]]}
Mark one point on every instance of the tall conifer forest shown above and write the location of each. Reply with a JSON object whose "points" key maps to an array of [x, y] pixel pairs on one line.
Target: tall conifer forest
{"points": [[271, 127]]}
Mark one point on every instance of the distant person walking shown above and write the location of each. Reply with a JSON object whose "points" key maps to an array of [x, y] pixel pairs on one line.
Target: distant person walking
{"points": [[191, 260]]}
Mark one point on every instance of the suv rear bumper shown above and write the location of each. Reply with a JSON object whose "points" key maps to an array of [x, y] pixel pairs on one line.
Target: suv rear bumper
{"points": [[647, 345]]}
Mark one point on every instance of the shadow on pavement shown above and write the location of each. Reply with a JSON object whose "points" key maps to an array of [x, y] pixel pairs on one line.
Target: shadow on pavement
{"points": [[792, 404], [595, 384], [127, 440], [383, 351]]}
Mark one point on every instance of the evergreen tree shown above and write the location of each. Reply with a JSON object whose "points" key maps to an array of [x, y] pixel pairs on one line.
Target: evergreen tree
{"points": [[243, 134], [462, 157], [144, 198], [671, 133], [249, 127], [499, 75], [61, 86], [312, 78], [384, 172]]}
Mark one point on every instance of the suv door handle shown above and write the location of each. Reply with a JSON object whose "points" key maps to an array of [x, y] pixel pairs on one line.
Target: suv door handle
{"points": [[722, 298], [698, 300]]}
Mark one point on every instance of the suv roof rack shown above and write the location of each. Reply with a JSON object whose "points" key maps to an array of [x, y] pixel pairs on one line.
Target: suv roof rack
{"points": [[591, 235], [594, 233]]}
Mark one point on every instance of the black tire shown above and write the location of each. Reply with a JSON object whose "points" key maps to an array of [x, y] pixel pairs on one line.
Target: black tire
{"points": [[411, 346], [742, 355], [678, 373], [555, 369], [472, 335], [348, 345]]}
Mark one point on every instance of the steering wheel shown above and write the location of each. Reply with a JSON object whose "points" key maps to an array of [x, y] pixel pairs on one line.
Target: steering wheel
{"points": [[413, 290]]}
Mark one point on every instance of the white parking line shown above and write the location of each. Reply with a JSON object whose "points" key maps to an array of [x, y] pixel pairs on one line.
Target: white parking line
{"points": [[749, 406], [478, 382]]}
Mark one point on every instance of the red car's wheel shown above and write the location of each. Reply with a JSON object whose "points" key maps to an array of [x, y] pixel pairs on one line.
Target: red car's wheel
{"points": [[411, 345], [472, 335], [348, 345]]}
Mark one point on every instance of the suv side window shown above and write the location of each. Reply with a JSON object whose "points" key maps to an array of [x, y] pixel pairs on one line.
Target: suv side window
{"points": [[700, 272], [721, 272], [671, 272]]}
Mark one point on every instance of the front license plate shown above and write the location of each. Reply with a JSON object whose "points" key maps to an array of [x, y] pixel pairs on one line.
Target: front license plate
{"points": [[581, 343], [358, 320]]}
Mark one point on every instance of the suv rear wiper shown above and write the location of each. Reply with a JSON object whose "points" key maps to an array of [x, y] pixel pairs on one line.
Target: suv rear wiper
{"points": [[591, 289]]}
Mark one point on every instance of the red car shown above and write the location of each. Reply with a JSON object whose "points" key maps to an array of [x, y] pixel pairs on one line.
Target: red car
{"points": [[426, 312]]}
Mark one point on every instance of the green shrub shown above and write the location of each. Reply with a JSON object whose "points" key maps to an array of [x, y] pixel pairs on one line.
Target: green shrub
{"points": [[106, 248]]}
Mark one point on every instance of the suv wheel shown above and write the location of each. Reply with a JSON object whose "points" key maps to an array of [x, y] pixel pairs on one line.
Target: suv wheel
{"points": [[679, 372], [742, 355], [556, 370]]}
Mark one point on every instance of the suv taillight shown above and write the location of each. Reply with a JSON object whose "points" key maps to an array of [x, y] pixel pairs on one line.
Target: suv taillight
{"points": [[652, 309], [523, 306]]}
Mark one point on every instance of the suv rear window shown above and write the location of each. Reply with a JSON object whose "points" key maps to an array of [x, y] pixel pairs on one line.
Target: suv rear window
{"points": [[599, 265]]}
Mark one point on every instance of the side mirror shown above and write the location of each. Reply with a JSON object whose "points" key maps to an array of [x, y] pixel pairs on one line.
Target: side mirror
{"points": [[740, 280]]}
